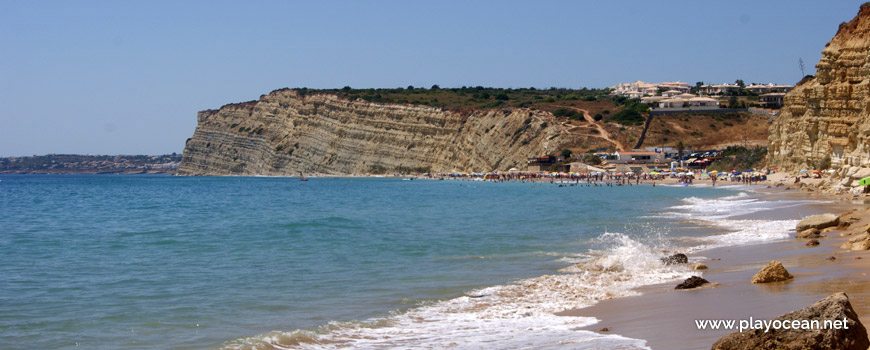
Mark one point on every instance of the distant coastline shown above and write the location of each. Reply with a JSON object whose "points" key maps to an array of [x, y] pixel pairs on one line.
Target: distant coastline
{"points": [[91, 164]]}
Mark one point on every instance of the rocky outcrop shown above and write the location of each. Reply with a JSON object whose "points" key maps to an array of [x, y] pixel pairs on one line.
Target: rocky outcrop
{"points": [[859, 242], [772, 272], [809, 233], [818, 222], [284, 133], [835, 308], [827, 118]]}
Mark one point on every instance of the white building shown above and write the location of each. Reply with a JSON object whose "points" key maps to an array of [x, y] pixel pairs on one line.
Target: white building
{"points": [[675, 85], [718, 89], [688, 102], [768, 88]]}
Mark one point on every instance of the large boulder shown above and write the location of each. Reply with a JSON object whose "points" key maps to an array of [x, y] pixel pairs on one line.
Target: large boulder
{"points": [[678, 258], [836, 307], [772, 272], [820, 221], [692, 282]]}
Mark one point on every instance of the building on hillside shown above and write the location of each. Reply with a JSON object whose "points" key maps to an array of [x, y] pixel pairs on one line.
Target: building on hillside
{"points": [[687, 102], [539, 164], [675, 85], [639, 157], [768, 88], [635, 89], [771, 100], [671, 93], [719, 89], [633, 94], [652, 99]]}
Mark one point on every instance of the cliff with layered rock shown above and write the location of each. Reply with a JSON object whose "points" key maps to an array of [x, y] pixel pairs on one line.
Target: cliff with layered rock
{"points": [[285, 133], [826, 119]]}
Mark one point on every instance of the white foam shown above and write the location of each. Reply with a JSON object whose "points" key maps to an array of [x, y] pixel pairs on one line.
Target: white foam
{"points": [[719, 212], [521, 315], [515, 316], [752, 232]]}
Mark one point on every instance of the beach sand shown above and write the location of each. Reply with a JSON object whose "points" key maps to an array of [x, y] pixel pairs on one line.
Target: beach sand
{"points": [[666, 317]]}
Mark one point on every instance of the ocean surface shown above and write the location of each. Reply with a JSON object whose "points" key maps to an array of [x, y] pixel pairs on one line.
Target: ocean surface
{"points": [[161, 262]]}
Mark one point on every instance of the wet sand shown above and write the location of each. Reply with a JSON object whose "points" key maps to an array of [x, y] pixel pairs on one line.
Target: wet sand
{"points": [[665, 318]]}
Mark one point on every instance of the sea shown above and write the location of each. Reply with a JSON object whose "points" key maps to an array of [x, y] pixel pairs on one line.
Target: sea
{"points": [[168, 262]]}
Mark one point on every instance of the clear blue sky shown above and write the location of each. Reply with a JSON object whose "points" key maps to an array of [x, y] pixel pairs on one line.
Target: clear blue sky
{"points": [[127, 77]]}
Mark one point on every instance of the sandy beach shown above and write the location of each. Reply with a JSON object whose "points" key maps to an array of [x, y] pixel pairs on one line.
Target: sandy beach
{"points": [[665, 318]]}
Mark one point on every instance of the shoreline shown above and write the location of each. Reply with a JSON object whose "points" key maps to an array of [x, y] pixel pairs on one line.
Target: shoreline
{"points": [[659, 312]]}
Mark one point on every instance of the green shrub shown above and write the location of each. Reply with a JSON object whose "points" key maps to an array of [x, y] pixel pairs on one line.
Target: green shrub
{"points": [[627, 117]]}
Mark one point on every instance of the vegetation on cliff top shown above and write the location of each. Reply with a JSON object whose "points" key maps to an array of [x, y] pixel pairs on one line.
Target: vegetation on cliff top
{"points": [[466, 97]]}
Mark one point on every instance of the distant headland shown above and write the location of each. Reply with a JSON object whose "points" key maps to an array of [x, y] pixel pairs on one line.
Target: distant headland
{"points": [[91, 164]]}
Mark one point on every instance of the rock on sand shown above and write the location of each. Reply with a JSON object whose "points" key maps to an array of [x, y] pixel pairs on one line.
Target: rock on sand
{"points": [[698, 266], [773, 272], [692, 282], [820, 221], [809, 233], [859, 242], [834, 307]]}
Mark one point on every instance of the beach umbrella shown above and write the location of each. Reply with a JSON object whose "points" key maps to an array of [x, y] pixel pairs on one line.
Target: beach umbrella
{"points": [[831, 171], [864, 182], [816, 172], [714, 172], [804, 170]]}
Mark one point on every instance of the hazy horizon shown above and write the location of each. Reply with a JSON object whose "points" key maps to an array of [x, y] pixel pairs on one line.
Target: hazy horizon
{"points": [[128, 78]]}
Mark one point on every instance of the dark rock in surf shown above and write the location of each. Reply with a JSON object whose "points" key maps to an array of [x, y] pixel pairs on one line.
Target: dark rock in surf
{"points": [[692, 282], [678, 258]]}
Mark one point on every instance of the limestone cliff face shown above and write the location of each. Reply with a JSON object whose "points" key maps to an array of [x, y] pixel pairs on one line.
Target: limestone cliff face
{"points": [[284, 133], [829, 115]]}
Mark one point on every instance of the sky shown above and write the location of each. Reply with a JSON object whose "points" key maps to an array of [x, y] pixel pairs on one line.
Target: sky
{"points": [[127, 77]]}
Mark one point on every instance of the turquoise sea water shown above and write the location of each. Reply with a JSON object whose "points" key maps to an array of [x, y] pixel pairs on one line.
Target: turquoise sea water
{"points": [[160, 262]]}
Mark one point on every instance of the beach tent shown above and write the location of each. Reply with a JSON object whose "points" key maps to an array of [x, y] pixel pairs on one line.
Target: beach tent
{"points": [[864, 182]]}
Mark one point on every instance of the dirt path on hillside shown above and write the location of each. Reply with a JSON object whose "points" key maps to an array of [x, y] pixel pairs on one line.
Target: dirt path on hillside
{"points": [[602, 132], [678, 127]]}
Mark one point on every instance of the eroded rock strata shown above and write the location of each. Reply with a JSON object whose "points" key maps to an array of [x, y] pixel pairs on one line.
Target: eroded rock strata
{"points": [[826, 119], [284, 133]]}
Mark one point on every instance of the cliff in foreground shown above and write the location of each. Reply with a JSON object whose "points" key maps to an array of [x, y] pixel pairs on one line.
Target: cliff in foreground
{"points": [[285, 133], [826, 120]]}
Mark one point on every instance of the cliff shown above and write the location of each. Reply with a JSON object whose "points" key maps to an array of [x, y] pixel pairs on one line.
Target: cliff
{"points": [[285, 133], [826, 119]]}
